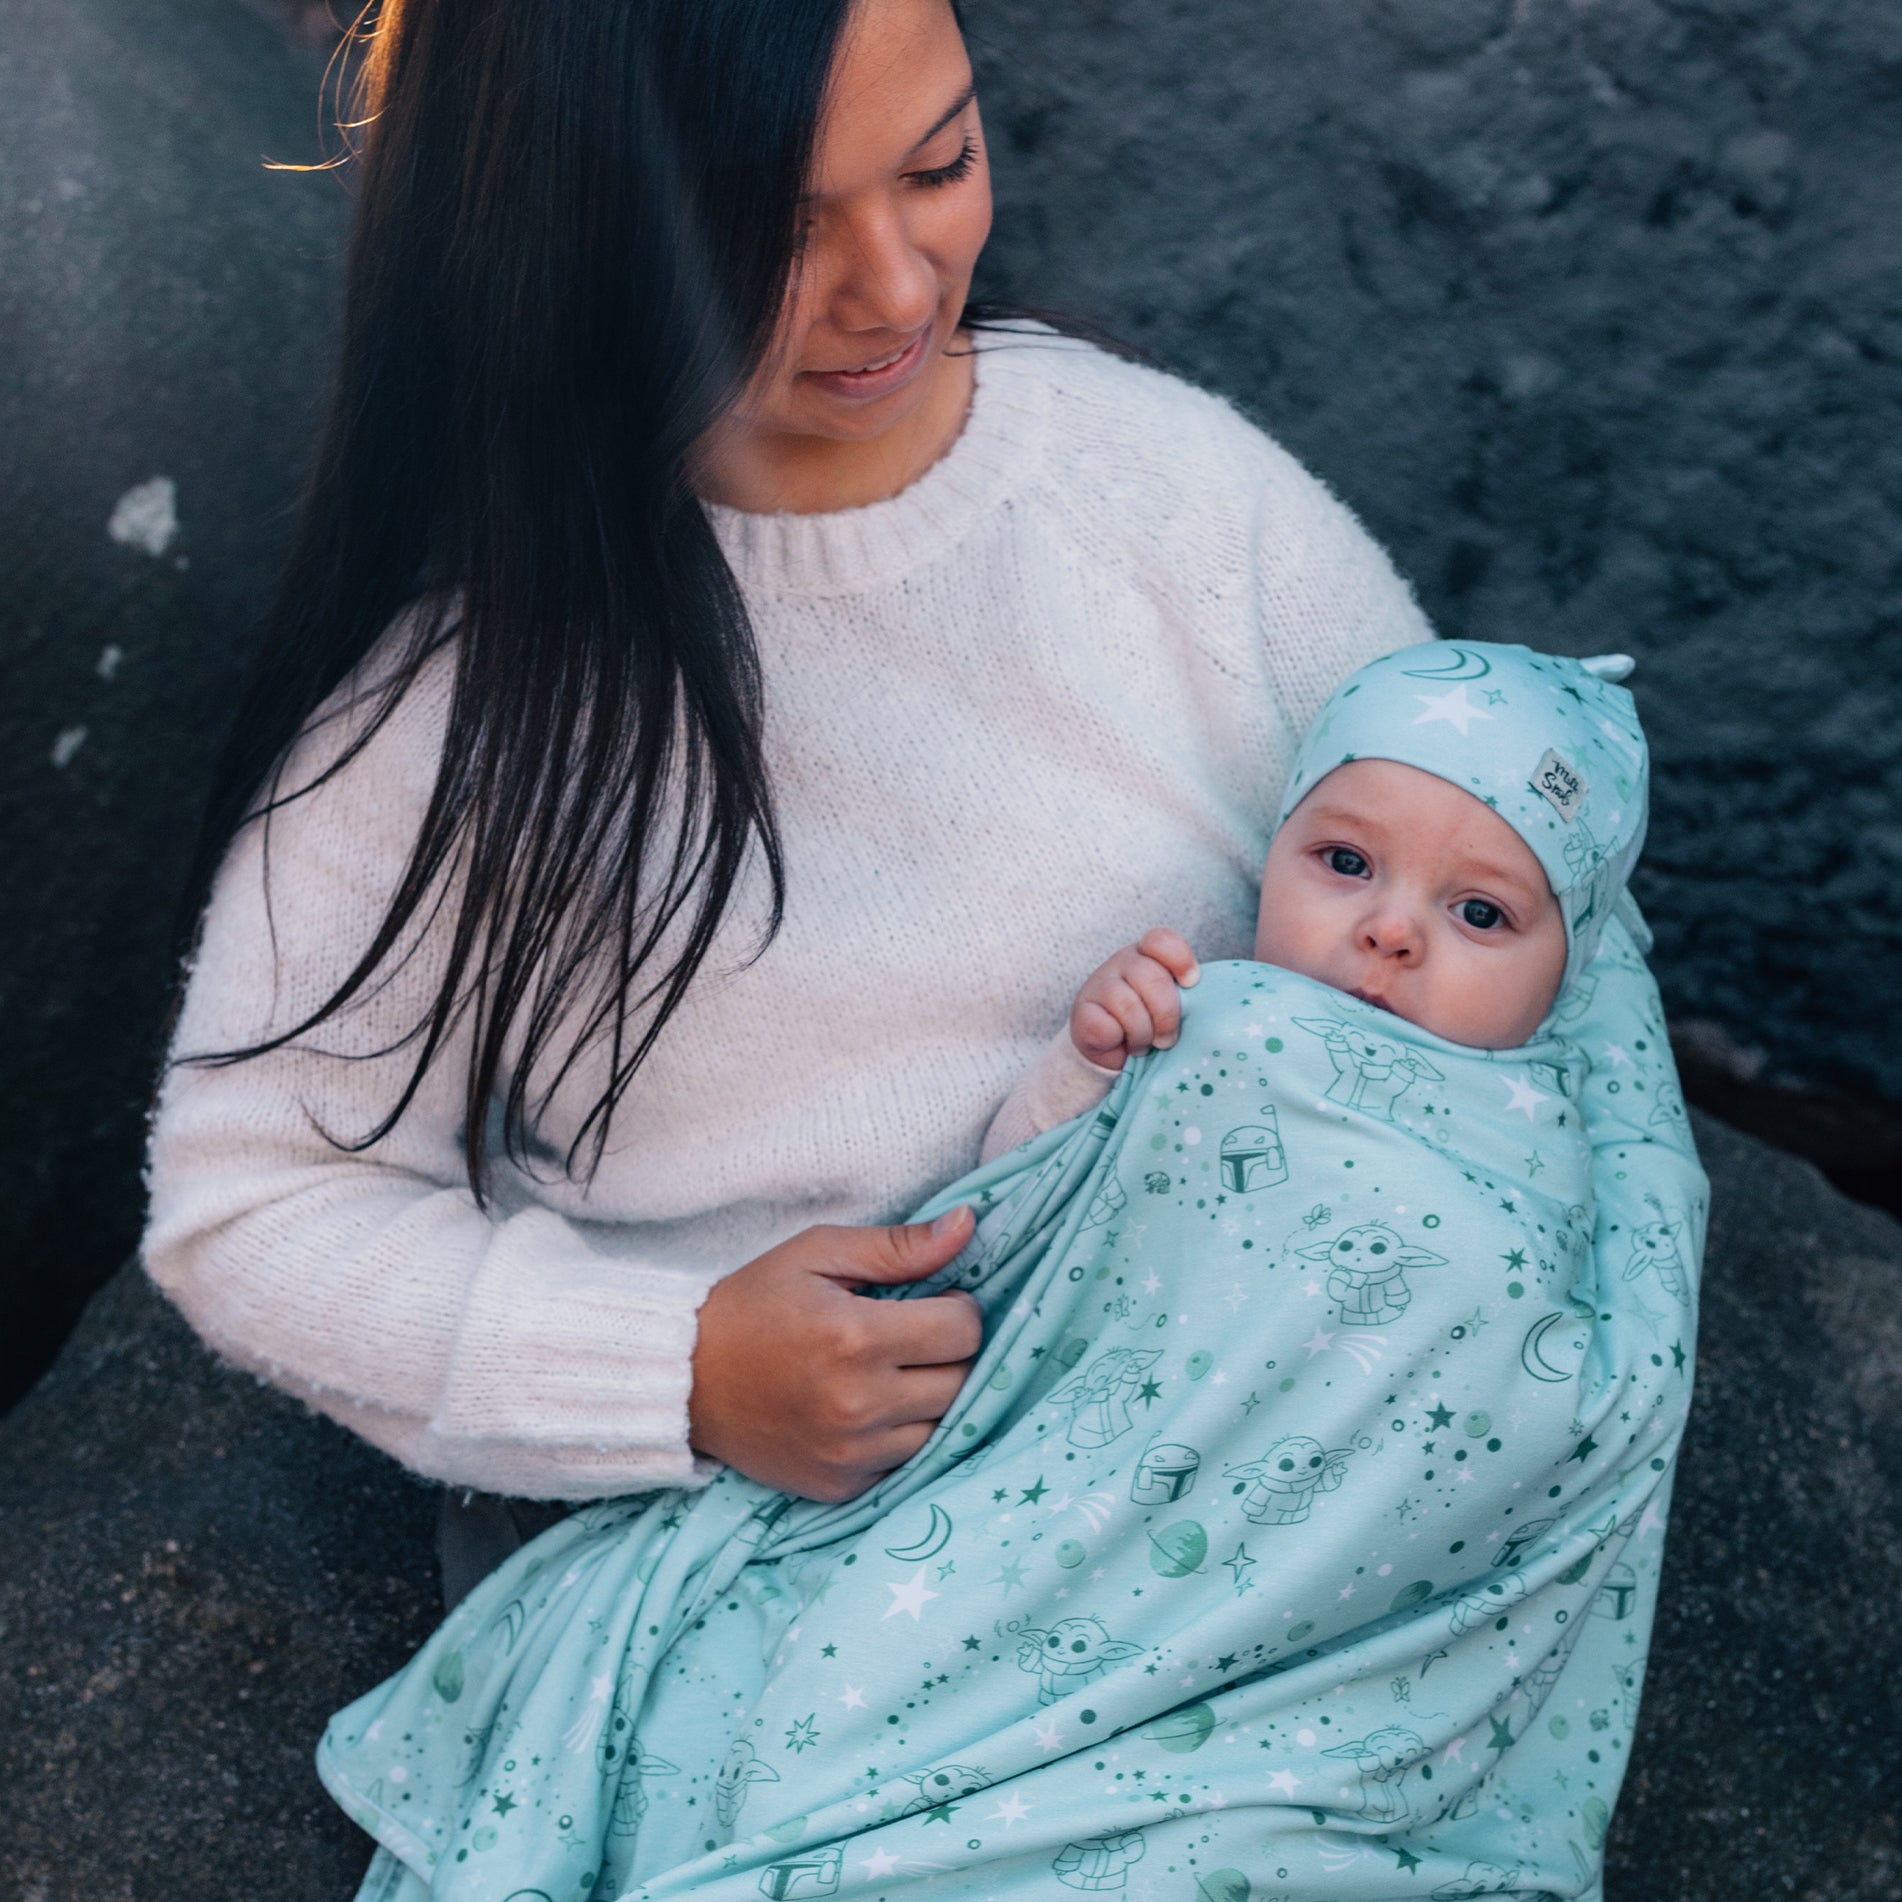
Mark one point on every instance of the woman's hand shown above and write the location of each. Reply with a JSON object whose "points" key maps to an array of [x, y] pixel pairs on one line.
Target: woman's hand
{"points": [[1130, 1002], [804, 1384]]}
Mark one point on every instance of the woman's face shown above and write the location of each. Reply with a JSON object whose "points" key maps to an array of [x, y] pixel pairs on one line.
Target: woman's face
{"points": [[897, 210]]}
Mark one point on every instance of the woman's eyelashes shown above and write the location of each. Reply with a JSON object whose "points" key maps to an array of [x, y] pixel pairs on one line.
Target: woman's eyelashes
{"points": [[960, 167], [938, 176]]}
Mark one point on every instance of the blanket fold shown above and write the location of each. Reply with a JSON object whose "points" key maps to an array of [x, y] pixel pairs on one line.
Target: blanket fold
{"points": [[1296, 1533]]}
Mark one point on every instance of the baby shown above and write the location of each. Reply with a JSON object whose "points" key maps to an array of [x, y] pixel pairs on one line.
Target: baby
{"points": [[1440, 880], [1326, 1408]]}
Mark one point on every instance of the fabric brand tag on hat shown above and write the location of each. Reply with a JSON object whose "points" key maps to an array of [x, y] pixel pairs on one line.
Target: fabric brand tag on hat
{"points": [[1559, 785]]}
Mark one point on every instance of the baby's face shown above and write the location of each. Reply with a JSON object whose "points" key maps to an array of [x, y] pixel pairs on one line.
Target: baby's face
{"points": [[1394, 885]]}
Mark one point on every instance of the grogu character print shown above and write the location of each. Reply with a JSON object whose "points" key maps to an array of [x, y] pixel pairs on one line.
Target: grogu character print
{"points": [[630, 1800], [617, 1743], [1108, 1203], [1099, 1399], [1488, 1604], [1594, 877], [1367, 1272], [741, 1770], [1658, 1246], [1491, 1880], [1286, 1479], [950, 1783], [1072, 1654], [1383, 1757], [1371, 1074], [1099, 1865]]}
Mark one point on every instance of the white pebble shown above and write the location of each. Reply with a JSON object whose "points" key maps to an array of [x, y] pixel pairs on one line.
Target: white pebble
{"points": [[146, 516]]}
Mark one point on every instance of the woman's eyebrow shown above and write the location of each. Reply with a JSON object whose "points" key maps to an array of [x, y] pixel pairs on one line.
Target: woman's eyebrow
{"points": [[951, 112], [944, 119]]}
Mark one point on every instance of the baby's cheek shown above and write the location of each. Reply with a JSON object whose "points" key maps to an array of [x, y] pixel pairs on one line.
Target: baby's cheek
{"points": [[1498, 1000]]}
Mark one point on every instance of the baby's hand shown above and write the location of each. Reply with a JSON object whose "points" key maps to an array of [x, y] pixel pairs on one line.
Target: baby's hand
{"points": [[1129, 1002]]}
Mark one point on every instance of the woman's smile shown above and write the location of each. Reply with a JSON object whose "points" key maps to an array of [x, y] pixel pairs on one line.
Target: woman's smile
{"points": [[880, 376]]}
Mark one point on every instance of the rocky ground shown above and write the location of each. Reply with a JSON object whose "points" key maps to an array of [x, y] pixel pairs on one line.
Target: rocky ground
{"points": [[195, 1573]]}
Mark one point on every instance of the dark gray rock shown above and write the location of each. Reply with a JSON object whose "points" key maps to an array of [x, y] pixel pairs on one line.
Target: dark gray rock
{"points": [[165, 304], [1767, 1760], [196, 1573], [1594, 312]]}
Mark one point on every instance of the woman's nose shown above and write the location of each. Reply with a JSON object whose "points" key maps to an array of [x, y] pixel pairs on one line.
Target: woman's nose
{"points": [[886, 282]]}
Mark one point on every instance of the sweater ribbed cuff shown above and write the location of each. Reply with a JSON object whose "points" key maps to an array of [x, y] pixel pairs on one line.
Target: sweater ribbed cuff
{"points": [[562, 1347], [1063, 1082], [1060, 1084]]}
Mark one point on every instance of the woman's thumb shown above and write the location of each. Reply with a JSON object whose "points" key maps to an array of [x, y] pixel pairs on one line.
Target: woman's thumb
{"points": [[906, 1251]]}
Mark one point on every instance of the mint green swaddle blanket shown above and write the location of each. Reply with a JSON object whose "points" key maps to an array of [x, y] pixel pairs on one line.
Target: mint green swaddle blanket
{"points": [[1296, 1534]]}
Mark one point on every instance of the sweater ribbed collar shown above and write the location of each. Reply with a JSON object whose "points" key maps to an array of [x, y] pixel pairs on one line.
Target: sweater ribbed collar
{"points": [[849, 551]]}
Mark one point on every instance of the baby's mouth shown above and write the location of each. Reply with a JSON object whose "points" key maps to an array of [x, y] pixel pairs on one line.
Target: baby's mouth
{"points": [[1379, 1003]]}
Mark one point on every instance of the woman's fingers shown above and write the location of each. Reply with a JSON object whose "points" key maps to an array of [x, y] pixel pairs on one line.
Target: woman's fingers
{"points": [[923, 1395], [801, 1383], [898, 1445], [941, 1330], [899, 1251]]}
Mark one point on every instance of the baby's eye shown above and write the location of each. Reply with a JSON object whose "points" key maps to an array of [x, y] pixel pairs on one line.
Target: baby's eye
{"points": [[1345, 860], [1481, 914]]}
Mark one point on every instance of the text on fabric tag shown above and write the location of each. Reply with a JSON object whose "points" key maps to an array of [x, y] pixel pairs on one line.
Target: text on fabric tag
{"points": [[1559, 785]]}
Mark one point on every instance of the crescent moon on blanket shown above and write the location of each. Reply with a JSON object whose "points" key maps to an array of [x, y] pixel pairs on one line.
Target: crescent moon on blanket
{"points": [[514, 1617], [930, 1545], [1533, 1354], [1465, 667]]}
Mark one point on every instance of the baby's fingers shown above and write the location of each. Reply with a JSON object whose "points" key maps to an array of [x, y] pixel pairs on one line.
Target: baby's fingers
{"points": [[1120, 1000], [1097, 1032], [1169, 947], [1155, 987]]}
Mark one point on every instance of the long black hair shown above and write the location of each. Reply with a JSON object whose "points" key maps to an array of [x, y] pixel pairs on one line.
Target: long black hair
{"points": [[575, 227]]}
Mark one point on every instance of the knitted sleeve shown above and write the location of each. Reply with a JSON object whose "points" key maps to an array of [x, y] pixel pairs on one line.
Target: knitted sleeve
{"points": [[489, 1350], [1060, 1084], [1328, 598]]}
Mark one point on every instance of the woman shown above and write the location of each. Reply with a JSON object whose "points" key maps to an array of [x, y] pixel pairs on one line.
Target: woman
{"points": [[722, 694]]}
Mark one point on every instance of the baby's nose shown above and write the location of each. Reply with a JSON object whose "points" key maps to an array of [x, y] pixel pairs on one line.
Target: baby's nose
{"points": [[1392, 933]]}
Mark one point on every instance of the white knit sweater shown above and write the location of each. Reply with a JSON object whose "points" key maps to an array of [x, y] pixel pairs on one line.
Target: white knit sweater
{"points": [[1040, 701]]}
